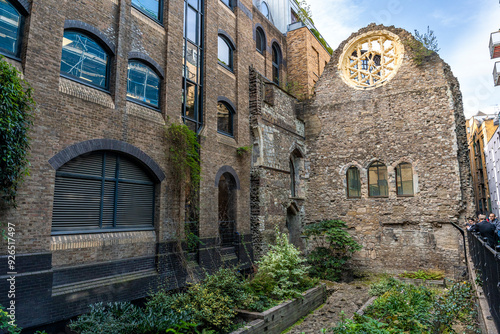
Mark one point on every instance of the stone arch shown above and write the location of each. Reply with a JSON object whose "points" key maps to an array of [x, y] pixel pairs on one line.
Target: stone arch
{"points": [[230, 170], [78, 149], [91, 30], [228, 38]]}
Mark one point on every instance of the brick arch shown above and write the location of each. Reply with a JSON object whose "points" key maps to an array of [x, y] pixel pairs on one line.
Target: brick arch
{"points": [[148, 60], [91, 30], [80, 148], [22, 6], [228, 38], [230, 170], [227, 101]]}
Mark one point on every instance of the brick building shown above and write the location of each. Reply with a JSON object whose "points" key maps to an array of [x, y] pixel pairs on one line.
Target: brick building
{"points": [[101, 216]]}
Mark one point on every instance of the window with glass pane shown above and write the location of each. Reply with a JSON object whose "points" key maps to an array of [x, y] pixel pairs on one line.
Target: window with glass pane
{"points": [[353, 183], [259, 40], [377, 180], [149, 7], [227, 3], [102, 190], [276, 64], [143, 84], [224, 119], [84, 59], [10, 29], [225, 54], [404, 179], [192, 53]]}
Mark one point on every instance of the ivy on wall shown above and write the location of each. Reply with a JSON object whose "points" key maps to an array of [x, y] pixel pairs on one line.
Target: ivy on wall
{"points": [[16, 107]]}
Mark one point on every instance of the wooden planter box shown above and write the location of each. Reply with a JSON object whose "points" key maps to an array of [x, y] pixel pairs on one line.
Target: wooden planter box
{"points": [[418, 281], [280, 317]]}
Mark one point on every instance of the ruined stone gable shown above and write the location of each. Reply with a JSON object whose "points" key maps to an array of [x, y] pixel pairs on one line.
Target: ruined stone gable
{"points": [[364, 116]]}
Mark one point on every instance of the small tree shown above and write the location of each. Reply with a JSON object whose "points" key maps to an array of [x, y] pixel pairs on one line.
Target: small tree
{"points": [[423, 45], [16, 106], [332, 246]]}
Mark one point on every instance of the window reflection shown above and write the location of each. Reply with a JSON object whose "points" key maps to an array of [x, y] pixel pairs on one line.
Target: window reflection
{"points": [[10, 28], [143, 84]]}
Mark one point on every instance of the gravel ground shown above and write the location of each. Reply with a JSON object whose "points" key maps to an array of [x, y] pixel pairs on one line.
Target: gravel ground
{"points": [[347, 297]]}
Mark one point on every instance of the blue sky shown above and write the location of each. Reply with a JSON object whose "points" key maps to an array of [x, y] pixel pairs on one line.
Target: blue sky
{"points": [[462, 28]]}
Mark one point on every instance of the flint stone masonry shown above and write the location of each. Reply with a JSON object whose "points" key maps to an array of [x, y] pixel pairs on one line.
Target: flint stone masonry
{"points": [[417, 118]]}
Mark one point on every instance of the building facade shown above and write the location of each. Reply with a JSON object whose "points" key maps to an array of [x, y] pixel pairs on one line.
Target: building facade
{"points": [[480, 130], [492, 157], [103, 215]]}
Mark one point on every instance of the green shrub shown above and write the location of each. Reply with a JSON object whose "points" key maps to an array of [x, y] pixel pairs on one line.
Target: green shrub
{"points": [[282, 272], [424, 274], [404, 307], [360, 325], [332, 246], [382, 286], [456, 306], [7, 325]]}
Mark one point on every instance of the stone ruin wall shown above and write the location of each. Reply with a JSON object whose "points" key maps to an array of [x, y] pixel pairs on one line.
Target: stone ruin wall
{"points": [[415, 117]]}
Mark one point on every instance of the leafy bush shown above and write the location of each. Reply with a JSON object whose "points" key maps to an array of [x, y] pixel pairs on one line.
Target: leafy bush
{"points": [[424, 274], [456, 306], [360, 325], [282, 272], [422, 46], [406, 307], [6, 323], [333, 248], [16, 105], [384, 285]]}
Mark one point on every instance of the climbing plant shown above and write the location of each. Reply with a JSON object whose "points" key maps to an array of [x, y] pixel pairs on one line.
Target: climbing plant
{"points": [[184, 154], [16, 107]]}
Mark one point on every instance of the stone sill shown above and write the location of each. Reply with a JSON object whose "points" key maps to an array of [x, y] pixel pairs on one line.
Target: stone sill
{"points": [[280, 317]]}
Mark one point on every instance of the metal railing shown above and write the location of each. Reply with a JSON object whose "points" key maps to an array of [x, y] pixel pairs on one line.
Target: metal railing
{"points": [[487, 264]]}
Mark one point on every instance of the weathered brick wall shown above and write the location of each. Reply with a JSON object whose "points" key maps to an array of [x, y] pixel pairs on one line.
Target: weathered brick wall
{"points": [[416, 117], [276, 134], [307, 59]]}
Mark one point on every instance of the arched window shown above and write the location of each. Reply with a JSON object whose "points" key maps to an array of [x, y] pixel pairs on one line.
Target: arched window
{"points": [[353, 183], [227, 209], [377, 180], [292, 177], [404, 179], [225, 116], [143, 84], [11, 24], [102, 191], [264, 8], [84, 59], [152, 8], [225, 52], [276, 63], [260, 40]]}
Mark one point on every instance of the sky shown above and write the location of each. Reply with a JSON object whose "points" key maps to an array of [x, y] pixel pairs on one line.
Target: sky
{"points": [[462, 28]]}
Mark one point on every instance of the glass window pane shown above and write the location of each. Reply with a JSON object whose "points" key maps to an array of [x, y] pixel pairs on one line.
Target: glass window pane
{"points": [[190, 95], [377, 180], [227, 3], [259, 40], [194, 3], [192, 61], [151, 7], [84, 59], [224, 54], [404, 179], [264, 9], [191, 25], [224, 119], [143, 84], [353, 182], [10, 28]]}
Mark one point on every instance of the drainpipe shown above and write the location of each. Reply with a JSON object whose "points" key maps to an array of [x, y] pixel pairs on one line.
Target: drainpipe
{"points": [[465, 248]]}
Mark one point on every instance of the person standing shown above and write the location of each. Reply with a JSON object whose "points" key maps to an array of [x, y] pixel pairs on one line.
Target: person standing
{"points": [[486, 229]]}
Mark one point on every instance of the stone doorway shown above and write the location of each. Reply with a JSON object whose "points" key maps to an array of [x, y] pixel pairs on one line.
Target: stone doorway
{"points": [[294, 226]]}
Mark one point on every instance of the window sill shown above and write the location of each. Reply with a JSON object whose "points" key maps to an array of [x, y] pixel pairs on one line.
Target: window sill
{"points": [[153, 23], [145, 105], [85, 92], [84, 239], [152, 18], [148, 114], [226, 67], [225, 134], [227, 72], [227, 9]]}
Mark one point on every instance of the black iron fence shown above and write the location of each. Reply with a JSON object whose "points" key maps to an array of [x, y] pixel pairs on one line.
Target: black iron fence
{"points": [[487, 264]]}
